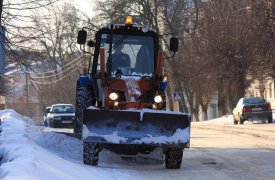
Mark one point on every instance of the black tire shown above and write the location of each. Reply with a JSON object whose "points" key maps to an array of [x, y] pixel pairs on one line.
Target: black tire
{"points": [[235, 121], [241, 121], [270, 120], [53, 125], [173, 158], [50, 124], [90, 153], [85, 97]]}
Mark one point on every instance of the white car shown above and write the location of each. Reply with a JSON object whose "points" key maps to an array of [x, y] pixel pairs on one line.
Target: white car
{"points": [[61, 115]]}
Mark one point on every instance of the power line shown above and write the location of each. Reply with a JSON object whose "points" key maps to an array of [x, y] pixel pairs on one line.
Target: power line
{"points": [[54, 75], [55, 81], [53, 71]]}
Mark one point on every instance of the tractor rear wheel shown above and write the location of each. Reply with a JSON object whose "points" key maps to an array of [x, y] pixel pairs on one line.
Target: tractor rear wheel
{"points": [[173, 157], [85, 97]]}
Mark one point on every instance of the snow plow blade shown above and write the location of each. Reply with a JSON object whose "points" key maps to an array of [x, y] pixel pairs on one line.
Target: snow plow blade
{"points": [[135, 127]]}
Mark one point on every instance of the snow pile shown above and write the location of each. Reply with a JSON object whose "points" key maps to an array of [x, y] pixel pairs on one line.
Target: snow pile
{"points": [[181, 135], [21, 157], [23, 153], [224, 120], [60, 130], [114, 138]]}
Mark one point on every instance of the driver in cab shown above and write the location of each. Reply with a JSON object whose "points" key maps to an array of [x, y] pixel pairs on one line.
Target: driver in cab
{"points": [[120, 59]]}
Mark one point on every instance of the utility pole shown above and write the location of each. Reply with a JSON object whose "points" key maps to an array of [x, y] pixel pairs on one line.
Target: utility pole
{"points": [[27, 93]]}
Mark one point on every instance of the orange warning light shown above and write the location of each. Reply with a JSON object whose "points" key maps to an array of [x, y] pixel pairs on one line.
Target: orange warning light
{"points": [[129, 20]]}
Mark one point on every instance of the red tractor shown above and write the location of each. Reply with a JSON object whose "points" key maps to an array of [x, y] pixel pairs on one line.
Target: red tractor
{"points": [[121, 102]]}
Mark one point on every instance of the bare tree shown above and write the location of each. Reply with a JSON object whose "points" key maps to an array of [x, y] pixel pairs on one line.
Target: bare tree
{"points": [[13, 15], [55, 35], [224, 44]]}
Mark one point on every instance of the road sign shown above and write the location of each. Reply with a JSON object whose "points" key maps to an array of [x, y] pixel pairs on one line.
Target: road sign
{"points": [[177, 96]]}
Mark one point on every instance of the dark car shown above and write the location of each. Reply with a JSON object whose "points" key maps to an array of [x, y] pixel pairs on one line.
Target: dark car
{"points": [[61, 115], [252, 108]]}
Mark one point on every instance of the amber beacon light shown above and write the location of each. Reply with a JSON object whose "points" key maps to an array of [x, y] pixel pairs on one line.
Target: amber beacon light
{"points": [[129, 20]]}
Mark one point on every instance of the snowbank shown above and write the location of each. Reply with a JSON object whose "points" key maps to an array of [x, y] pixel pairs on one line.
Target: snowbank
{"points": [[29, 153], [22, 158], [224, 120]]}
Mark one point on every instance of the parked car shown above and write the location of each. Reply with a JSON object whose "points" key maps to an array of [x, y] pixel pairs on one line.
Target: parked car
{"points": [[45, 113], [61, 115], [252, 108]]}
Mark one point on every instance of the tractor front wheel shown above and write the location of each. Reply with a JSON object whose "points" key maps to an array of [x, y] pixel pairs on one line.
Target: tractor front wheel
{"points": [[90, 153], [173, 158]]}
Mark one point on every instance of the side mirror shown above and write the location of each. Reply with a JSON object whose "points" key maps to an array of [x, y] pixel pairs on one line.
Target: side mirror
{"points": [[91, 43], [81, 37], [174, 44]]}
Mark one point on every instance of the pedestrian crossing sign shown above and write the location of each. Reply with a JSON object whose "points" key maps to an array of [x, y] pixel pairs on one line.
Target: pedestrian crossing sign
{"points": [[177, 96]]}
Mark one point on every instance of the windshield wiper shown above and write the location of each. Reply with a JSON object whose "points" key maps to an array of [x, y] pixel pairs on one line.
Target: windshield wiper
{"points": [[120, 41], [111, 48]]}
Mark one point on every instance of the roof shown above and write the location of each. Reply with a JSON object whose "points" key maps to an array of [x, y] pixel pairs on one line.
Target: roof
{"points": [[62, 105], [143, 28]]}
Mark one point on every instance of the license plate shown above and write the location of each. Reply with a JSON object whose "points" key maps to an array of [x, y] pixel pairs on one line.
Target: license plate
{"points": [[257, 109], [66, 121]]}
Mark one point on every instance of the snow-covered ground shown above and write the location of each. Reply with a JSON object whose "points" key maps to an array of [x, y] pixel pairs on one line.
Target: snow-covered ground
{"points": [[225, 120], [28, 151], [32, 152]]}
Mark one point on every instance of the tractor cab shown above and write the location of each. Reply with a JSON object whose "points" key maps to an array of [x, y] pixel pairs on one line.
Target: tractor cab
{"points": [[126, 49], [132, 54], [129, 50]]}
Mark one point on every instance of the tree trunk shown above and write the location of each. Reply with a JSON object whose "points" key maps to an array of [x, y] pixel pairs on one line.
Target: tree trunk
{"points": [[195, 109], [241, 81], [183, 105], [195, 117], [1, 10], [221, 105], [204, 113], [169, 98], [221, 99]]}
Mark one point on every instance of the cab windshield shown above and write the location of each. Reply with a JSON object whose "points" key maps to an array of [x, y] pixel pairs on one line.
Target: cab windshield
{"points": [[131, 55]]}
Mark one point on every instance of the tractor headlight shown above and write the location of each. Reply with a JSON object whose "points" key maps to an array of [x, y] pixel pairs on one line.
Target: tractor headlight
{"points": [[113, 96], [158, 99]]}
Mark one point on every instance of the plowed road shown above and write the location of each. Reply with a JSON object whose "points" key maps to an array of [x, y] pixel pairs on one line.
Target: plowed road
{"points": [[231, 151], [222, 152]]}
